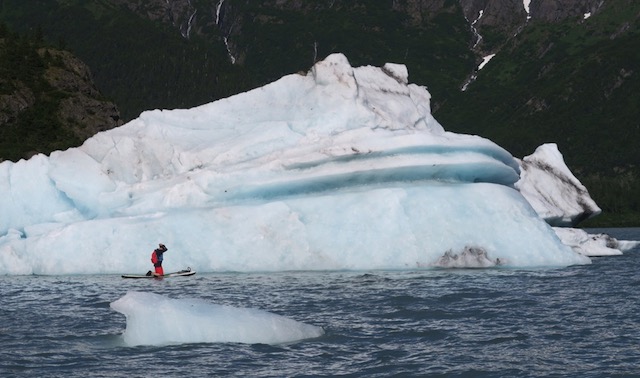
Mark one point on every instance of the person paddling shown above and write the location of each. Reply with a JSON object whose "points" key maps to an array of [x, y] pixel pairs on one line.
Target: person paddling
{"points": [[156, 259]]}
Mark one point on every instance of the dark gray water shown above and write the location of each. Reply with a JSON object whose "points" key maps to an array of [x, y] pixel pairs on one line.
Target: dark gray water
{"points": [[576, 321]]}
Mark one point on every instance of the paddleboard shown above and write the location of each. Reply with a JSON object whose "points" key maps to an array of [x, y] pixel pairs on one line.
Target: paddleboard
{"points": [[182, 273]]}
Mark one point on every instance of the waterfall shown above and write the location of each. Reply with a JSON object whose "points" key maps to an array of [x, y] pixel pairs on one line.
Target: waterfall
{"points": [[218, 7], [474, 30], [190, 23], [226, 43]]}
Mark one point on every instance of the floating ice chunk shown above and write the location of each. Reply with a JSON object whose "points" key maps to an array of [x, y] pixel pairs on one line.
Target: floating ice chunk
{"points": [[594, 244], [153, 319], [553, 191]]}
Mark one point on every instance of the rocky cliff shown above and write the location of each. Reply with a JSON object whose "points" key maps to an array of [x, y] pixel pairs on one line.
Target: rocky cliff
{"points": [[48, 100], [83, 109]]}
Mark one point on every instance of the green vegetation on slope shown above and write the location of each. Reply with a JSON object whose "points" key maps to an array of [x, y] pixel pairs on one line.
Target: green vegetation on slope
{"points": [[142, 65], [139, 64], [36, 128], [574, 84]]}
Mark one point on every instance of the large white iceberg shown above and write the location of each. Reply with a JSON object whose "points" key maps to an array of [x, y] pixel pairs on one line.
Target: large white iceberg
{"points": [[341, 168]]}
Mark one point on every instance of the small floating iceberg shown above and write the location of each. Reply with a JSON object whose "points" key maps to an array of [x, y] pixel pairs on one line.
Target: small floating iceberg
{"points": [[153, 319]]}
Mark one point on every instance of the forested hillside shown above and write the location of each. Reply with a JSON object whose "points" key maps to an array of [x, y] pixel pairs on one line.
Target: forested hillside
{"points": [[566, 72], [47, 98], [576, 84]]}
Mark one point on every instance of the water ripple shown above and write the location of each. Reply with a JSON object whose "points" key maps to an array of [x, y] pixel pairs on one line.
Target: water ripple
{"points": [[577, 321]]}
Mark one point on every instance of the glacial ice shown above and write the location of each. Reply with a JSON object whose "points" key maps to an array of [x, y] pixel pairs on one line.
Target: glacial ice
{"points": [[198, 321], [341, 168]]}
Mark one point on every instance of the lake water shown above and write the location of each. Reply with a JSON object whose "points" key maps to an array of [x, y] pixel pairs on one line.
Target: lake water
{"points": [[576, 321]]}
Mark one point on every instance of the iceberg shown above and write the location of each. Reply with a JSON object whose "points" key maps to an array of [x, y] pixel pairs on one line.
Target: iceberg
{"points": [[339, 168], [198, 321], [553, 191], [563, 202], [593, 245]]}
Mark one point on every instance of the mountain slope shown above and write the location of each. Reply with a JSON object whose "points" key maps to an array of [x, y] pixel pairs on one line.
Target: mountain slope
{"points": [[575, 83], [564, 71], [48, 100]]}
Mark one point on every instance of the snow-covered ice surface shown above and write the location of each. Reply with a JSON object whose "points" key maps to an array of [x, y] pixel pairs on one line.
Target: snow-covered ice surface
{"points": [[341, 168]]}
